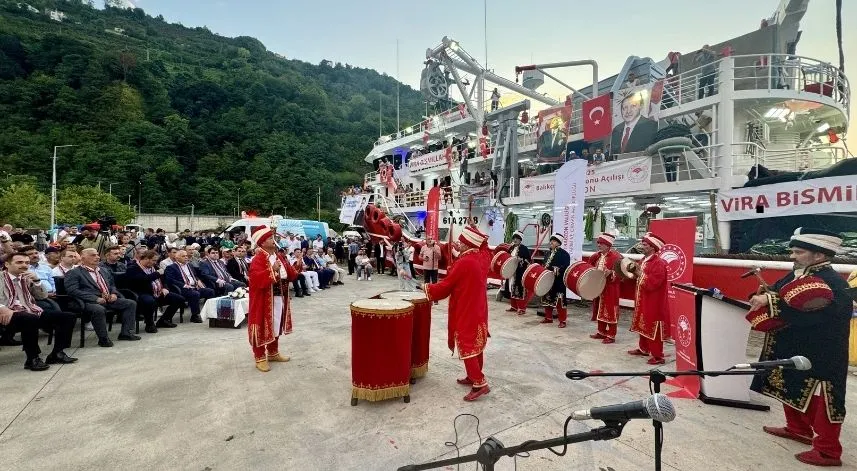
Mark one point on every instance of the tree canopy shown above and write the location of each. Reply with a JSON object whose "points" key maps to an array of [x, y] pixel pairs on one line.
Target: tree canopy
{"points": [[173, 116]]}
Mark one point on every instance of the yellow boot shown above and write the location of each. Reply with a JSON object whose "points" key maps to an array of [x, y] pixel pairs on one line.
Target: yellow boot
{"points": [[278, 357], [262, 365]]}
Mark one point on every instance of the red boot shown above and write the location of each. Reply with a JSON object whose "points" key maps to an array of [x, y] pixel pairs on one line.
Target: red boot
{"points": [[465, 381], [596, 336], [475, 393], [783, 432], [815, 458]]}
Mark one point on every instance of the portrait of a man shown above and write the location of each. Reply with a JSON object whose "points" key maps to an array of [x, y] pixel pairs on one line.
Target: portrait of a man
{"points": [[634, 132]]}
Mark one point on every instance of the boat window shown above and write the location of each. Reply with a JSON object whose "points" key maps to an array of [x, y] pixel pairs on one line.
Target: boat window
{"points": [[423, 185]]}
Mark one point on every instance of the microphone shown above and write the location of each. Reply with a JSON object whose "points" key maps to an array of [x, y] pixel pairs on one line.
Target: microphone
{"points": [[751, 272], [657, 407], [796, 362]]}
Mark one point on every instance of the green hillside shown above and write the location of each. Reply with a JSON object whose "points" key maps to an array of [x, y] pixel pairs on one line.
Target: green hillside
{"points": [[192, 115]]}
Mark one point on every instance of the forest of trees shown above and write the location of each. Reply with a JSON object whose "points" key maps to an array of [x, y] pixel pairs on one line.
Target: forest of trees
{"points": [[182, 115]]}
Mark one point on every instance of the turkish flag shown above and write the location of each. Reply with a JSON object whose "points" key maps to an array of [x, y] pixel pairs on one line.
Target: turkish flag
{"points": [[597, 118]]}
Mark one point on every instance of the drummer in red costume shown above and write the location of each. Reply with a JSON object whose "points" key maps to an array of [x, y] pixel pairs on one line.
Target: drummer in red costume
{"points": [[651, 308], [557, 260], [605, 308], [465, 284], [520, 298], [270, 314]]}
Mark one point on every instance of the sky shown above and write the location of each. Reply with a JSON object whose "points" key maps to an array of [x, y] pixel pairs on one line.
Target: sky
{"points": [[365, 32]]}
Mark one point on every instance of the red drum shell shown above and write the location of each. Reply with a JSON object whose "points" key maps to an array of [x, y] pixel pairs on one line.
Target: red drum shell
{"points": [[585, 280], [504, 265], [538, 280]]}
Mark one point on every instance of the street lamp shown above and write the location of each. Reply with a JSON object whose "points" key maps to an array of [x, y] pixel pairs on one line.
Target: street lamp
{"points": [[54, 191], [110, 187], [140, 197], [239, 202]]}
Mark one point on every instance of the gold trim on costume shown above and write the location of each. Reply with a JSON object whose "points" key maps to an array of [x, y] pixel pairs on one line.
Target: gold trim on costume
{"points": [[391, 391], [419, 371]]}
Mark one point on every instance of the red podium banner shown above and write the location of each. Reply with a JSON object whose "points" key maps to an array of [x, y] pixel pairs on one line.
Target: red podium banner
{"points": [[680, 237], [432, 213]]}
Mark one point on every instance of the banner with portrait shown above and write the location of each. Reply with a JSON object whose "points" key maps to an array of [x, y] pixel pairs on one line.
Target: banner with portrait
{"points": [[635, 118], [552, 133]]}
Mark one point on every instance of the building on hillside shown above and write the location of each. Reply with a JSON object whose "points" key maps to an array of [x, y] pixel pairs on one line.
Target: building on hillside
{"points": [[56, 15]]}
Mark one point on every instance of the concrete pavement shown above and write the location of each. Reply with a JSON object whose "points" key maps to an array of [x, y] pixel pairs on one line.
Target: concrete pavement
{"points": [[190, 399]]}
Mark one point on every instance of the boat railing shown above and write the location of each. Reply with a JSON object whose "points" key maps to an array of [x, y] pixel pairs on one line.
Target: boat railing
{"points": [[748, 156], [433, 124], [790, 72]]}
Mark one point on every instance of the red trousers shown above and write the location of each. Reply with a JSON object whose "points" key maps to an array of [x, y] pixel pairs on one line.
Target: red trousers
{"points": [[562, 314], [608, 330], [473, 367], [272, 349], [520, 304], [815, 420], [654, 347]]}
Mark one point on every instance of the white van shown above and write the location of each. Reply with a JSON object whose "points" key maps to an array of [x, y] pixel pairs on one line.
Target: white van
{"points": [[309, 229]]}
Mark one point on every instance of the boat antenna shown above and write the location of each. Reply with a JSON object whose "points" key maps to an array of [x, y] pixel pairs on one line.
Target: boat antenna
{"points": [[398, 126], [839, 35]]}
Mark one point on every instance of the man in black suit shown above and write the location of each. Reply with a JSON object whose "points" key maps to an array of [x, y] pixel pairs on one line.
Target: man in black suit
{"points": [[96, 287], [20, 292], [143, 279], [214, 274], [635, 132], [236, 265], [180, 276]]}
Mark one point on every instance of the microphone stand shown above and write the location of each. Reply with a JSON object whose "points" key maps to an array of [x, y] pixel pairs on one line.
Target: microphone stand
{"points": [[492, 450], [656, 378]]}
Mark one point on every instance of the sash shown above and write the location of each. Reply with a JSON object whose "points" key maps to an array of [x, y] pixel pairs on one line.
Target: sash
{"points": [[29, 302]]}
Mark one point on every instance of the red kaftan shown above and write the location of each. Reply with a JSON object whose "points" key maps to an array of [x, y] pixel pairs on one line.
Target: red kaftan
{"points": [[465, 285], [651, 303], [261, 277], [605, 308]]}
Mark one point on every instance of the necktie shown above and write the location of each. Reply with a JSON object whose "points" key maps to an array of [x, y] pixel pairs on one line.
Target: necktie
{"points": [[625, 139], [99, 280]]}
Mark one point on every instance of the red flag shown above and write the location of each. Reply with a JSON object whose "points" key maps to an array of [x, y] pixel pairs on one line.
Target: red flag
{"points": [[432, 213], [597, 118]]}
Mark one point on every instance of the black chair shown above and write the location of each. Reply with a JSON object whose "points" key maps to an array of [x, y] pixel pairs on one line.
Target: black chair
{"points": [[122, 286], [73, 305]]}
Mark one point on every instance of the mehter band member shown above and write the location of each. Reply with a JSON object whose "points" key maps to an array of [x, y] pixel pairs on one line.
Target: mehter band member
{"points": [[465, 285], [558, 261], [517, 293], [814, 399], [605, 308], [270, 314], [651, 304]]}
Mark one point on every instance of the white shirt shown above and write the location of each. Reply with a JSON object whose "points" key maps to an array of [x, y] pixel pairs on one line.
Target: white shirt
{"points": [[59, 271], [293, 244], [318, 244], [165, 263]]}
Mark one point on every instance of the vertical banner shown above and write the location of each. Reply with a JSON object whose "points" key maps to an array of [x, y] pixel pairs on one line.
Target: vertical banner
{"points": [[679, 235], [569, 193], [432, 213]]}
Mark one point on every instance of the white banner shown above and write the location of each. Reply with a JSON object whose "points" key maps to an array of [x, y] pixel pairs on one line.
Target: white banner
{"points": [[604, 179], [814, 196], [568, 208], [426, 161], [350, 206]]}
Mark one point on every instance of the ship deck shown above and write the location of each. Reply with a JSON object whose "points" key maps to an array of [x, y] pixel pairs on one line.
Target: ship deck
{"points": [[190, 398]]}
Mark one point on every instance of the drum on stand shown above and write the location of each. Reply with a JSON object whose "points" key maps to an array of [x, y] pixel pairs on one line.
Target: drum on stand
{"points": [[504, 264], [538, 280], [381, 333], [585, 280], [422, 329]]}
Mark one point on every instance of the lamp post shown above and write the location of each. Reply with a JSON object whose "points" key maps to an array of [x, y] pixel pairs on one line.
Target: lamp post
{"points": [[140, 197], [192, 207], [54, 191], [238, 210], [110, 187]]}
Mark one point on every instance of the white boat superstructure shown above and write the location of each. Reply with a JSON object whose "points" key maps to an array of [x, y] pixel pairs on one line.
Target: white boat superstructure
{"points": [[755, 105]]}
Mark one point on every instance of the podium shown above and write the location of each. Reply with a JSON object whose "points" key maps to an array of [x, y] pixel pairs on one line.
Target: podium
{"points": [[721, 339]]}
